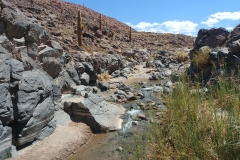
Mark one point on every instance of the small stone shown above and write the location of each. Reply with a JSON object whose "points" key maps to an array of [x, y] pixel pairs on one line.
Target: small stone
{"points": [[141, 104], [141, 116], [159, 113], [134, 123], [152, 104], [119, 149]]}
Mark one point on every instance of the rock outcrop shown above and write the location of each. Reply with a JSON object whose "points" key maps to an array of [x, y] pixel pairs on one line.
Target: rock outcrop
{"points": [[222, 49], [215, 37], [27, 101]]}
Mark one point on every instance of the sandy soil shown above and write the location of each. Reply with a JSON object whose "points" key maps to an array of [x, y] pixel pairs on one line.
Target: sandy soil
{"points": [[141, 74], [63, 142]]}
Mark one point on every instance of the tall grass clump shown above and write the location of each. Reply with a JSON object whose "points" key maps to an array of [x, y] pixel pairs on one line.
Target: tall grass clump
{"points": [[104, 77], [181, 56], [196, 125], [201, 58]]}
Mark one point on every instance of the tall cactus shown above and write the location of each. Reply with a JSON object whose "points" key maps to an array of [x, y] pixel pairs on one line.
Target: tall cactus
{"points": [[130, 34], [79, 28], [100, 22]]}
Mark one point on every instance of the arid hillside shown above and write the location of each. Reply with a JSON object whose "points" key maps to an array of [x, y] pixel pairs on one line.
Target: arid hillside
{"points": [[60, 19]]}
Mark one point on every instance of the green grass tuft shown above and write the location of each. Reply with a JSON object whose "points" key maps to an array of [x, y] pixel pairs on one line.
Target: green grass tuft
{"points": [[197, 125]]}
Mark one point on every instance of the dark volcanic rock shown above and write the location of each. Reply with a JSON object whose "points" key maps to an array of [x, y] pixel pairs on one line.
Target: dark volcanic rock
{"points": [[37, 34], [43, 113], [104, 86], [73, 74], [24, 55], [234, 34], [48, 130], [51, 61], [16, 69], [90, 71], [6, 106], [234, 40], [33, 87], [16, 23], [85, 78], [214, 37], [4, 65], [67, 85]]}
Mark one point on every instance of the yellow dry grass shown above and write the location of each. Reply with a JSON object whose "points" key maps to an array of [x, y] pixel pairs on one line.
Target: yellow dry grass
{"points": [[181, 56], [104, 77]]}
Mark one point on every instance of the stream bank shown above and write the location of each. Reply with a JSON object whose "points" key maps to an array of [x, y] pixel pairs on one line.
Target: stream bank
{"points": [[119, 145]]}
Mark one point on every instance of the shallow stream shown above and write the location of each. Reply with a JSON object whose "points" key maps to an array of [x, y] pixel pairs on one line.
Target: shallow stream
{"points": [[117, 145]]}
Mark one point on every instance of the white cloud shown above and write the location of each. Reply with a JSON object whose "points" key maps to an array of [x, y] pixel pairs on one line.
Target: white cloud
{"points": [[229, 28], [215, 18], [183, 27]]}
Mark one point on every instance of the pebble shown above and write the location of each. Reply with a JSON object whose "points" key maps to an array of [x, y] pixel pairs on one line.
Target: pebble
{"points": [[119, 149], [141, 104], [134, 123], [141, 116]]}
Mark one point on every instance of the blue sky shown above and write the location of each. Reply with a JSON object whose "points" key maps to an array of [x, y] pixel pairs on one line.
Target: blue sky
{"points": [[173, 16]]}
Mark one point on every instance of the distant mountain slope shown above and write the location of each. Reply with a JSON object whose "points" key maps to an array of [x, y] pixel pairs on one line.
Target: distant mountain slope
{"points": [[60, 19]]}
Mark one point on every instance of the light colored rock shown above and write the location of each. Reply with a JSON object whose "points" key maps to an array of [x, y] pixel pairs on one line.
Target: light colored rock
{"points": [[5, 142], [100, 115]]}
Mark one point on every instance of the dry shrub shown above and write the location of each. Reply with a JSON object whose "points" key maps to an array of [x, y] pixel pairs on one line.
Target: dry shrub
{"points": [[181, 56], [104, 77], [201, 58]]}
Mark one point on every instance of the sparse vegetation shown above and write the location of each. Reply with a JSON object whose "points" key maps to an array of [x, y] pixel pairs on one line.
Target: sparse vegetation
{"points": [[181, 56], [130, 34], [100, 22], [104, 77], [80, 28], [197, 125], [201, 58]]}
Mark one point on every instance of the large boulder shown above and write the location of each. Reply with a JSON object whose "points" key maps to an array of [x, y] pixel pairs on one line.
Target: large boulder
{"points": [[90, 71], [234, 40], [34, 87], [37, 34], [85, 78], [6, 43], [50, 60], [24, 55], [16, 69], [4, 65], [42, 115], [73, 74], [214, 37], [65, 82], [114, 63], [16, 23], [6, 106], [32, 50], [79, 68], [100, 115], [234, 47], [234, 34]]}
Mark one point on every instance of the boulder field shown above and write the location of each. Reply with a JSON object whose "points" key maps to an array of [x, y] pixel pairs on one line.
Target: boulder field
{"points": [[34, 73]]}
